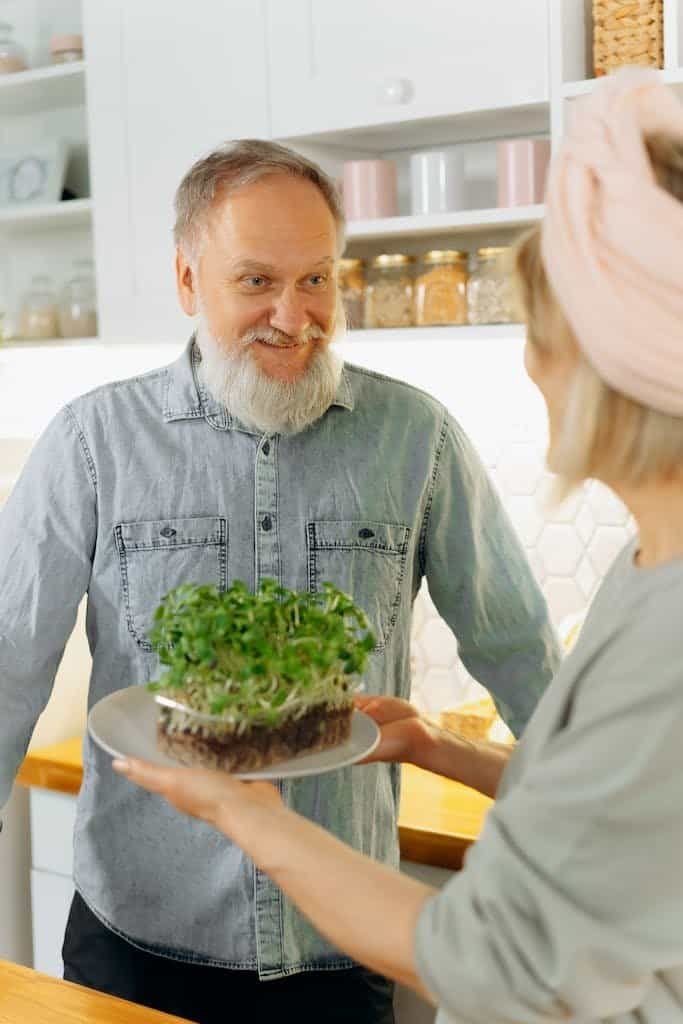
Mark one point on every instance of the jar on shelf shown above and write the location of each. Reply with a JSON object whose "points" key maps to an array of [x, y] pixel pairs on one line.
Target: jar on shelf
{"points": [[389, 293], [441, 288], [38, 317], [490, 295], [12, 56], [352, 290], [78, 303], [65, 49]]}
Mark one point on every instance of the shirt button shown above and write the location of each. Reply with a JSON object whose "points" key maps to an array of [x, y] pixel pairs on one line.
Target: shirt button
{"points": [[266, 448], [266, 523], [167, 531]]}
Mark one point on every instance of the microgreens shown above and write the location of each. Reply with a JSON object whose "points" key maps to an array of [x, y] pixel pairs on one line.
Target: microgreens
{"points": [[259, 657]]}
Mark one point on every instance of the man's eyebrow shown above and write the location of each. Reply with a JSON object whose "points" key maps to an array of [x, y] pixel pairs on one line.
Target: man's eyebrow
{"points": [[251, 267], [255, 267]]}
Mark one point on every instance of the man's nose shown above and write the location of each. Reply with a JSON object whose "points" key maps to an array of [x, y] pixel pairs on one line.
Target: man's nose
{"points": [[289, 313]]}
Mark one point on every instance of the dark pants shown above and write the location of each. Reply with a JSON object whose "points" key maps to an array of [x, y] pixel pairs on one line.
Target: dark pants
{"points": [[98, 958]]}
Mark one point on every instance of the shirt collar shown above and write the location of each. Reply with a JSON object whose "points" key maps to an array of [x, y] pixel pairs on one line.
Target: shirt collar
{"points": [[186, 398]]}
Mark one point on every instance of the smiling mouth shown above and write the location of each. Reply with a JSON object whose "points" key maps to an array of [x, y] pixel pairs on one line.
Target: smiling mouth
{"points": [[277, 344]]}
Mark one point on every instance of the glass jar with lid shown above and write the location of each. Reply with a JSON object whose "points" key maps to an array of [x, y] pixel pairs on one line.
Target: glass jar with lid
{"points": [[490, 295], [389, 293], [78, 303], [66, 48], [352, 290], [12, 56], [38, 317], [441, 288]]}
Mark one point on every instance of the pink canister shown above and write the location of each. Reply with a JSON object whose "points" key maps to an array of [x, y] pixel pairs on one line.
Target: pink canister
{"points": [[370, 189], [522, 170]]}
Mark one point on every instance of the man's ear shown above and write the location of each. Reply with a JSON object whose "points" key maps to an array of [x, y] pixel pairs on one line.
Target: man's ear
{"points": [[186, 284]]}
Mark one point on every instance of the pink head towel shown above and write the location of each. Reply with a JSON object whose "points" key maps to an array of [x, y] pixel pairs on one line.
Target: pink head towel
{"points": [[612, 239]]}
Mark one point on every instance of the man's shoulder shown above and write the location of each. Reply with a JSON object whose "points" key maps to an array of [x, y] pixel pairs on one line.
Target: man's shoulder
{"points": [[126, 395], [394, 395]]}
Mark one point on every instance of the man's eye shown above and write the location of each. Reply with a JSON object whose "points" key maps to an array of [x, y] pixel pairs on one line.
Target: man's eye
{"points": [[255, 281], [317, 280]]}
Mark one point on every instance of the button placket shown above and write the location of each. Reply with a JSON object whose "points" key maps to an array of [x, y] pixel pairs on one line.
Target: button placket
{"points": [[268, 898], [267, 545]]}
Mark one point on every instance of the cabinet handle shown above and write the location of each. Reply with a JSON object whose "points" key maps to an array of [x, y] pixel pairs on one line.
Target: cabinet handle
{"points": [[397, 90]]}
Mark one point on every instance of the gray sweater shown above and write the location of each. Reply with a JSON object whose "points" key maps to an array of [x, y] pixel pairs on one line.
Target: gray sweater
{"points": [[570, 907]]}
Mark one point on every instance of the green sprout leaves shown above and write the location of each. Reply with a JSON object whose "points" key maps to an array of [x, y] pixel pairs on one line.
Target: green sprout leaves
{"points": [[260, 657]]}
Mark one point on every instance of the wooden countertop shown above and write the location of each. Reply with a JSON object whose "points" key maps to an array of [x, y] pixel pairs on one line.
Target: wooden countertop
{"points": [[438, 819], [28, 997]]}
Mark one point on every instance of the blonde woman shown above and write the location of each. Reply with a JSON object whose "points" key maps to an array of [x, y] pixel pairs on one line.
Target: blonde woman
{"points": [[570, 907]]}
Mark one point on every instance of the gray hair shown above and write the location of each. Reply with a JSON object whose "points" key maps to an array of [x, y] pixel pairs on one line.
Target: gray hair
{"points": [[229, 168]]}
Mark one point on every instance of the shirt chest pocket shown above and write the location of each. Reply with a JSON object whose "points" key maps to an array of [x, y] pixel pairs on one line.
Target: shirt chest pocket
{"points": [[366, 560], [158, 555]]}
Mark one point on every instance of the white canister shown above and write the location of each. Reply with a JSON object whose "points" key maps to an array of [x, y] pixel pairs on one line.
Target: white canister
{"points": [[437, 181]]}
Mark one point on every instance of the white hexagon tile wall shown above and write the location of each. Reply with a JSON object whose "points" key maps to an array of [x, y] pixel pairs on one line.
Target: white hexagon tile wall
{"points": [[569, 547]]}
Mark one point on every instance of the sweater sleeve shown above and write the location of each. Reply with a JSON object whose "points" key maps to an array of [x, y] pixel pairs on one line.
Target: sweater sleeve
{"points": [[570, 905]]}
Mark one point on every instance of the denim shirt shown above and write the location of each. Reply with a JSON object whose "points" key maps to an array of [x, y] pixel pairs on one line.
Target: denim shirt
{"points": [[147, 483]]}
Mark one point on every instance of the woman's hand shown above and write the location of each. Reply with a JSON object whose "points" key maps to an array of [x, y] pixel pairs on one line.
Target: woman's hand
{"points": [[404, 733], [232, 806]]}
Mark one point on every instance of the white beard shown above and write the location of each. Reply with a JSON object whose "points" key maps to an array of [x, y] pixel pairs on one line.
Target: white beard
{"points": [[261, 402]]}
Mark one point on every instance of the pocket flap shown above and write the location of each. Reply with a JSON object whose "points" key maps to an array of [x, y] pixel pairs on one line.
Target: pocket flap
{"points": [[164, 533], [391, 538]]}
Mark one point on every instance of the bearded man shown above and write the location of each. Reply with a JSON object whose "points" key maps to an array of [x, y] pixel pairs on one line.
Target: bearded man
{"points": [[259, 453]]}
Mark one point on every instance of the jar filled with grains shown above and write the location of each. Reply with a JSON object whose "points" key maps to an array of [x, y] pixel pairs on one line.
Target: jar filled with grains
{"points": [[12, 56], [441, 288], [490, 295], [352, 291], [389, 294], [38, 318]]}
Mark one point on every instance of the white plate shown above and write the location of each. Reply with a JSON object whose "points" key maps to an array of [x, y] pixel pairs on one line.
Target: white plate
{"points": [[124, 725]]}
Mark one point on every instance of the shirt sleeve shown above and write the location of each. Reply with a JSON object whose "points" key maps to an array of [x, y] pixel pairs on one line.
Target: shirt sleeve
{"points": [[570, 905], [482, 585], [47, 538]]}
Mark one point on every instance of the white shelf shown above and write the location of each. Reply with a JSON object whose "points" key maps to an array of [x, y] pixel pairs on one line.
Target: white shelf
{"points": [[443, 223], [412, 335], [526, 117], [29, 92], [18, 346], [672, 76], [38, 216]]}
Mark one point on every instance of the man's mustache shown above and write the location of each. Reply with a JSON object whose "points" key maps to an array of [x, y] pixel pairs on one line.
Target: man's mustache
{"points": [[278, 339]]}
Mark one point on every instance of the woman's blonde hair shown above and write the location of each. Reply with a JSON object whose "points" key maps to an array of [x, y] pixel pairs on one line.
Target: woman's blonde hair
{"points": [[603, 433]]}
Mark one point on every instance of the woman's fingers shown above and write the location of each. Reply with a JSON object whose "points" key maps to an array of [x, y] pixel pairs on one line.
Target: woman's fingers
{"points": [[192, 790], [201, 792], [151, 776], [385, 709]]}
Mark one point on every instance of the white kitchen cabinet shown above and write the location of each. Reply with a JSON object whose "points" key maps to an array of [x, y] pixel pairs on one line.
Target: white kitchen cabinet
{"points": [[339, 66], [51, 897], [52, 823], [166, 83], [45, 103]]}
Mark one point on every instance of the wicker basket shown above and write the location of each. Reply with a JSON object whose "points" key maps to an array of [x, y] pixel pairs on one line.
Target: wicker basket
{"points": [[627, 32]]}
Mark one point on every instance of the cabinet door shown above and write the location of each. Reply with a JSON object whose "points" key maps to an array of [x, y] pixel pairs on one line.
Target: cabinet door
{"points": [[166, 83], [51, 897], [53, 816], [364, 62]]}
